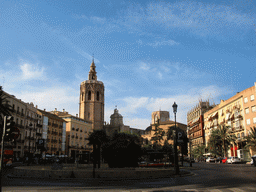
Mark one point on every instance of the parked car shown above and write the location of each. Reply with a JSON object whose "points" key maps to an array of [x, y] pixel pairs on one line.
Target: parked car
{"points": [[233, 160], [210, 159], [253, 161]]}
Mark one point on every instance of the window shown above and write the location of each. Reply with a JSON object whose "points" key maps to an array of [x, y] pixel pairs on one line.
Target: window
{"points": [[89, 95], [254, 120], [253, 109], [238, 135], [82, 96], [248, 122], [245, 100], [88, 115], [98, 95], [252, 97], [242, 135], [246, 110]]}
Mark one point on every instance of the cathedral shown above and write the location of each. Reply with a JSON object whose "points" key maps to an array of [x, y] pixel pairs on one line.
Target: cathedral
{"points": [[91, 106], [91, 102]]}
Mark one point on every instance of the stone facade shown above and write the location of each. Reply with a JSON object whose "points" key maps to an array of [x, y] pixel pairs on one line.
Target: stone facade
{"points": [[117, 125], [165, 123], [91, 102]]}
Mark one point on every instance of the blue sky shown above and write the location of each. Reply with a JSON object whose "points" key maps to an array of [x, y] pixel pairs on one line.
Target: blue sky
{"points": [[147, 53]]}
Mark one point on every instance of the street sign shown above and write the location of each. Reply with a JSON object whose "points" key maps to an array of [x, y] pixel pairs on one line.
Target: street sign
{"points": [[40, 143], [16, 133], [180, 137]]}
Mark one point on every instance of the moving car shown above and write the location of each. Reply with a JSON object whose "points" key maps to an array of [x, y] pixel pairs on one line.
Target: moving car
{"points": [[210, 159], [233, 160]]}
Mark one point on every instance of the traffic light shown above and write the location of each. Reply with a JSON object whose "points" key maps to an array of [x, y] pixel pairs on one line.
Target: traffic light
{"points": [[9, 127]]}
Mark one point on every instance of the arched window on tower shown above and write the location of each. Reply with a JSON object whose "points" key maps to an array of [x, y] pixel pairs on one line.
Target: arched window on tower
{"points": [[82, 96], [98, 95], [89, 95]]}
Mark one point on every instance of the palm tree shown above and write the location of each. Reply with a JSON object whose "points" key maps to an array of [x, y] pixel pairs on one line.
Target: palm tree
{"points": [[251, 139], [198, 151], [220, 139], [97, 138]]}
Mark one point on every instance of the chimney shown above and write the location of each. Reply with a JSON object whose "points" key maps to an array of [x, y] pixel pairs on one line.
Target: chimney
{"points": [[44, 109], [76, 115], [36, 106], [63, 110], [55, 109]]}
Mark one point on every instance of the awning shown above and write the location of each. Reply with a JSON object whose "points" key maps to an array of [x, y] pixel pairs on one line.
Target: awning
{"points": [[215, 115]]}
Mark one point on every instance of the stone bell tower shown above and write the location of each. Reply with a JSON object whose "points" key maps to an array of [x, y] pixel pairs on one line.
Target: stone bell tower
{"points": [[91, 102]]}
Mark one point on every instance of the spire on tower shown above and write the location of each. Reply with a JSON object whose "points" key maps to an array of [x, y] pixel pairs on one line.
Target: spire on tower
{"points": [[92, 72]]}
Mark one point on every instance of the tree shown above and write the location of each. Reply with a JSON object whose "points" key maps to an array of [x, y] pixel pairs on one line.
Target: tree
{"points": [[157, 136], [5, 110], [251, 139], [198, 151], [123, 150], [97, 138], [220, 139]]}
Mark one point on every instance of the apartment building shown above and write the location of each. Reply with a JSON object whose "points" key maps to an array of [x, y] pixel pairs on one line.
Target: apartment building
{"points": [[54, 132], [239, 113], [77, 133], [29, 125], [195, 123]]}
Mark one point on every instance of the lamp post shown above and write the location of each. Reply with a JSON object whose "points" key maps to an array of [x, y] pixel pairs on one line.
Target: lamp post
{"points": [[176, 164]]}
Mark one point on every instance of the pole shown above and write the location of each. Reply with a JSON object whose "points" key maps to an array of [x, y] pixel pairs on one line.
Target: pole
{"points": [[2, 153], [190, 162], [176, 163]]}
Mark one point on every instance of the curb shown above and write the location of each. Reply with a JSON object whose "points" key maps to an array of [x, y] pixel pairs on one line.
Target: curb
{"points": [[185, 174]]}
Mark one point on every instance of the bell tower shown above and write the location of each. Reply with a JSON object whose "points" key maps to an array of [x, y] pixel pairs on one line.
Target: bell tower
{"points": [[91, 102]]}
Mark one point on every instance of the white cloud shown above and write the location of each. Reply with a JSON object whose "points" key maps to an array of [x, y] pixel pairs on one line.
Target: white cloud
{"points": [[185, 102], [161, 43], [30, 71], [144, 66], [54, 97]]}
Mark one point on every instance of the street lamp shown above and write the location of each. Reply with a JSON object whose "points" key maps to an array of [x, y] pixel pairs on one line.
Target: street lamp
{"points": [[176, 164]]}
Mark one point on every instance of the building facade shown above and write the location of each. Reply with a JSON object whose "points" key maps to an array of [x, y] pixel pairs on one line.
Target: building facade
{"points": [[91, 102], [54, 133], [29, 124], [77, 133], [162, 119], [195, 123], [238, 113], [116, 125]]}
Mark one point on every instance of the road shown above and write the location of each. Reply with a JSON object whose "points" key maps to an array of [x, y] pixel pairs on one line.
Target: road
{"points": [[207, 177]]}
